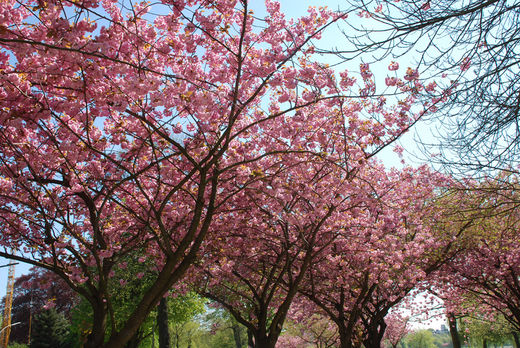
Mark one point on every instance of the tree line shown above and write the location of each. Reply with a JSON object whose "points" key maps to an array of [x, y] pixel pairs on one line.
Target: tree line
{"points": [[194, 146]]}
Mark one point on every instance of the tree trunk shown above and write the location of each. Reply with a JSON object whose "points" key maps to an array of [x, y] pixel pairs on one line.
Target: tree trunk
{"points": [[97, 337], [264, 342], [484, 343], [452, 323], [516, 339], [135, 340], [236, 334], [374, 334], [162, 322], [345, 336]]}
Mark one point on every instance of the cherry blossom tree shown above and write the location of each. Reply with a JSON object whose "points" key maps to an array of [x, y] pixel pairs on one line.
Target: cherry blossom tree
{"points": [[125, 128], [397, 327], [314, 329], [290, 212], [281, 227], [375, 247], [289, 341], [386, 252], [488, 271]]}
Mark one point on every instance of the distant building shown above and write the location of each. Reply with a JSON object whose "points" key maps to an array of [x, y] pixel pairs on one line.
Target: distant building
{"points": [[442, 331]]}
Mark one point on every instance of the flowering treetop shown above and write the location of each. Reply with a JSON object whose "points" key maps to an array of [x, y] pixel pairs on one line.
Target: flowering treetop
{"points": [[123, 131]]}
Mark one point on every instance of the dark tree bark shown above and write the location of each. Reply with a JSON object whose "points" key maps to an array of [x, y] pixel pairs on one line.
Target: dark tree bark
{"points": [[135, 340], [452, 323], [375, 334], [345, 337], [96, 337], [162, 322], [264, 341]]}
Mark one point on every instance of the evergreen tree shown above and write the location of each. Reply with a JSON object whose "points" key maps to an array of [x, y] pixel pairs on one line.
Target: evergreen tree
{"points": [[49, 330]]}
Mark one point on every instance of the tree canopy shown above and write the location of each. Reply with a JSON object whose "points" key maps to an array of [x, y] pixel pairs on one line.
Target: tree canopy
{"points": [[196, 146]]}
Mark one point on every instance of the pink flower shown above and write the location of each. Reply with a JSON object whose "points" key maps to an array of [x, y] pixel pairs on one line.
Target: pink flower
{"points": [[177, 129], [308, 96], [190, 127], [390, 81], [398, 150], [284, 97], [393, 66], [466, 63], [365, 71], [346, 81], [411, 74], [50, 304], [431, 86], [364, 14]]}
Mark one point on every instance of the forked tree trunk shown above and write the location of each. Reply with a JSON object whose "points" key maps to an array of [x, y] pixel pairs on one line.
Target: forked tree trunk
{"points": [[375, 334]]}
